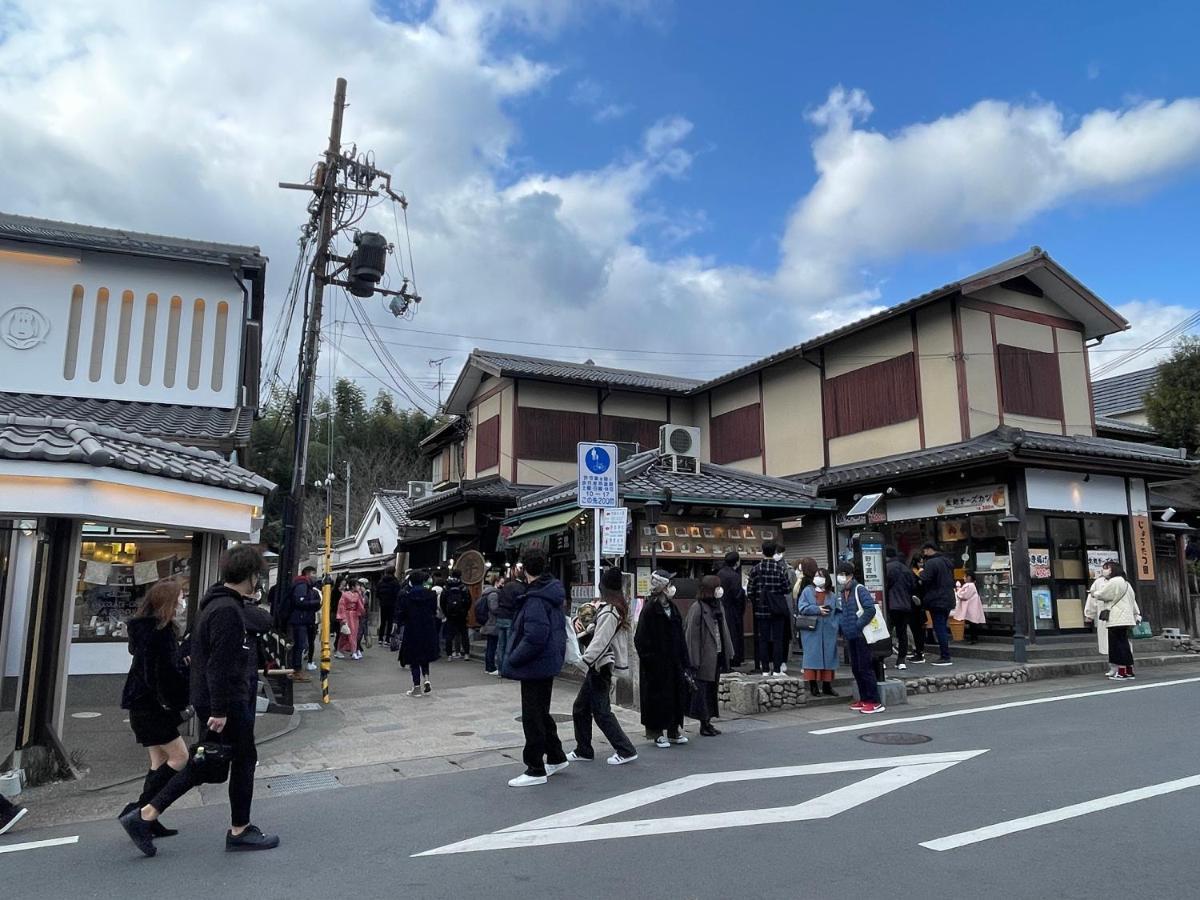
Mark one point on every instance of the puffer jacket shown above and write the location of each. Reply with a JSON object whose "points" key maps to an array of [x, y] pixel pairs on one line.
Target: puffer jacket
{"points": [[1117, 597], [539, 634], [851, 622]]}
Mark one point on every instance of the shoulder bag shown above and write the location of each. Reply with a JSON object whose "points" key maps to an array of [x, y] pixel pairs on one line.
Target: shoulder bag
{"points": [[210, 759]]}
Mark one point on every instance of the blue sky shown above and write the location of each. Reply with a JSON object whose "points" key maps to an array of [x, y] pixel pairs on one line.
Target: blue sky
{"points": [[667, 181]]}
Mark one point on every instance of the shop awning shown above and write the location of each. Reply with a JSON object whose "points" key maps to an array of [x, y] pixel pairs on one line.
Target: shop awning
{"points": [[543, 524]]}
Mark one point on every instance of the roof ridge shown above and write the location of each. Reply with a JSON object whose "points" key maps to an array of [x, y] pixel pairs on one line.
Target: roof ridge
{"points": [[583, 365], [123, 233]]}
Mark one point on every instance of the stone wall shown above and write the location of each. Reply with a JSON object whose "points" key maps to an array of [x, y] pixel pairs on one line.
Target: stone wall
{"points": [[749, 695], [934, 684]]}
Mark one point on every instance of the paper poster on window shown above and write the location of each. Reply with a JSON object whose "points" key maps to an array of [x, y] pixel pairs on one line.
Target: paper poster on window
{"points": [[97, 572], [145, 572], [1039, 563], [1096, 560], [1042, 603]]}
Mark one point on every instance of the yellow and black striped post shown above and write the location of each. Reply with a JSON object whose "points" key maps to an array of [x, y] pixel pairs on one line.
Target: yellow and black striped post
{"points": [[326, 598]]}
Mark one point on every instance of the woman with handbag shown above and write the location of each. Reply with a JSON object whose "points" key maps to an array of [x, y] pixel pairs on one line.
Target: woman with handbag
{"points": [[816, 621], [665, 683], [1119, 611], [156, 690], [607, 652], [416, 619], [709, 649], [351, 610], [1091, 616], [857, 611]]}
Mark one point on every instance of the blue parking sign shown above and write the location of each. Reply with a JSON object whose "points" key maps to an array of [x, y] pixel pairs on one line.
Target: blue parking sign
{"points": [[597, 476]]}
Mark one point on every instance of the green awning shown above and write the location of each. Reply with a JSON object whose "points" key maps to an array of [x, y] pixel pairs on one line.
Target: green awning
{"points": [[542, 524]]}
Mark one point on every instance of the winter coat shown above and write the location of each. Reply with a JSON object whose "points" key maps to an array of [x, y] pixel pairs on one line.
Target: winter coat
{"points": [[662, 659], [223, 651], [1117, 597], [901, 585], [351, 609], [388, 592], [938, 579], [492, 596], [1091, 612], [458, 592], [734, 599], [538, 642], [968, 606], [306, 602], [416, 613], [769, 579], [707, 636], [851, 622], [820, 646], [610, 642], [157, 678], [512, 595]]}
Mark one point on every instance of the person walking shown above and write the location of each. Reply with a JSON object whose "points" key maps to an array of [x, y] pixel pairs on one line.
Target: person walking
{"points": [[416, 615], [857, 610], [512, 595], [733, 599], [1091, 616], [306, 603], [769, 592], [456, 608], [968, 607], [818, 600], [937, 577], [351, 611], [904, 609], [607, 653], [663, 664], [1119, 610], [709, 649], [539, 649], [487, 605], [156, 691], [388, 592], [224, 681]]}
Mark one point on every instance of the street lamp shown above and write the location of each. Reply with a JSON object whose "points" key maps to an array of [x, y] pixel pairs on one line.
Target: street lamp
{"points": [[1012, 531], [653, 510]]}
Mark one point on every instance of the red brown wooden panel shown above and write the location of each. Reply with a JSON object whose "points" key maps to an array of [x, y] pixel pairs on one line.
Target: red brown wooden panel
{"points": [[552, 434], [1030, 384], [736, 435], [629, 430], [880, 394], [487, 444]]}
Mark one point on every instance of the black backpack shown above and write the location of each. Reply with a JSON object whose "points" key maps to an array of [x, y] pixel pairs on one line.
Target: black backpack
{"points": [[457, 601], [481, 606]]}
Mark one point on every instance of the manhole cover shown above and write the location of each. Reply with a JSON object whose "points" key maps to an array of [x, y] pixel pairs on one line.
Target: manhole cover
{"points": [[557, 717], [895, 737], [464, 734], [298, 784]]}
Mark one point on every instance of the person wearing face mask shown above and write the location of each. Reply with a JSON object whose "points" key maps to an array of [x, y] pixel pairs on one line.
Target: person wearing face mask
{"points": [[663, 664], [156, 690], [769, 590], [817, 599], [857, 609], [1119, 610], [709, 648], [1091, 616]]}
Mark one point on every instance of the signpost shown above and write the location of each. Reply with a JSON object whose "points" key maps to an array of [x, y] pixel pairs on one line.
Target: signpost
{"points": [[597, 490], [616, 524]]}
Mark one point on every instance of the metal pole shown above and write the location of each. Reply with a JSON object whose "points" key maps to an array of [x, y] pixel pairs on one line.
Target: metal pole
{"points": [[597, 517], [347, 529]]}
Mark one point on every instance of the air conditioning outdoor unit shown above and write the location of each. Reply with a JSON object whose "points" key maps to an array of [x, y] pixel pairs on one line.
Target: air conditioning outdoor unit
{"points": [[418, 490], [679, 448]]}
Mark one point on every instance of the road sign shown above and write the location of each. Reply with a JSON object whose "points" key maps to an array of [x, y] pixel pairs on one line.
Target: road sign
{"points": [[584, 824], [597, 476], [616, 524]]}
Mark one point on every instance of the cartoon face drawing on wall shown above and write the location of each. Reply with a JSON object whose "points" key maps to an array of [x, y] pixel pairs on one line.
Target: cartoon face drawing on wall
{"points": [[23, 327]]}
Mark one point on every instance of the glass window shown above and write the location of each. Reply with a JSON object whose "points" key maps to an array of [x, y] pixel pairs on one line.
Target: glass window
{"points": [[115, 571], [1067, 551]]}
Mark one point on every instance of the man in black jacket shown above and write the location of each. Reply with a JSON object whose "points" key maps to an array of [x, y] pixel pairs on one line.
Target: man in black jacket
{"points": [[455, 602], [903, 610], [306, 603], [733, 598], [937, 576], [388, 592], [512, 595], [224, 674]]}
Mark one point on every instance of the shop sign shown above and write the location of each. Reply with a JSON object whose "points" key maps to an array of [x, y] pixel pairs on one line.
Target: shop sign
{"points": [[872, 567], [1143, 548], [643, 581], [876, 516], [612, 537], [929, 506], [1096, 560], [1039, 563], [705, 538], [1042, 603]]}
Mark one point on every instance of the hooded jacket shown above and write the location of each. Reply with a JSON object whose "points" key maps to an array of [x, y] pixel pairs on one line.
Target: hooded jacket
{"points": [[938, 578], [539, 634], [306, 601], [155, 681], [901, 585], [224, 654]]}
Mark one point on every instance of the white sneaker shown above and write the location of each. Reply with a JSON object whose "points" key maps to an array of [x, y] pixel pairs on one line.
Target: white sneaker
{"points": [[575, 757], [416, 691], [526, 780], [783, 669], [312, 667], [618, 760], [555, 768], [357, 655], [901, 666], [662, 743], [339, 655], [682, 739], [495, 672]]}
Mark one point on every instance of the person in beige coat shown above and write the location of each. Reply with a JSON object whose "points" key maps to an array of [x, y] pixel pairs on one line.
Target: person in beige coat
{"points": [[1120, 610], [709, 649], [1091, 616]]}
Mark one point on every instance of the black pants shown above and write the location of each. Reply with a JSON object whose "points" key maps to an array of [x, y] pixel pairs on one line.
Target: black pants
{"points": [[903, 621], [419, 671], [239, 734], [312, 641], [737, 632], [1120, 653], [591, 702], [300, 640], [386, 611], [541, 734], [771, 647], [862, 663], [707, 704], [455, 632]]}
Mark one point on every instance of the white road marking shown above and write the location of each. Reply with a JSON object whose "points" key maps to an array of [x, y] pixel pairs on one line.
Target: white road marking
{"points": [[1025, 823], [34, 845], [878, 723], [575, 825]]}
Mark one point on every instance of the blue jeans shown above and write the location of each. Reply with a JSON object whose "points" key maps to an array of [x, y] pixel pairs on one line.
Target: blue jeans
{"points": [[300, 638], [503, 627], [941, 630]]}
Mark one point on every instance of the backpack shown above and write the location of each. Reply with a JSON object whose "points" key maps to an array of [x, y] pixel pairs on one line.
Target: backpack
{"points": [[481, 606], [458, 603]]}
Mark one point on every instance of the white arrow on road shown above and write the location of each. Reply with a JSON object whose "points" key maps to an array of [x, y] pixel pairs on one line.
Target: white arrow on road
{"points": [[575, 825]]}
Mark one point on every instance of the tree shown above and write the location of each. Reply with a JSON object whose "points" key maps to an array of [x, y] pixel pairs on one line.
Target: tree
{"points": [[1173, 406]]}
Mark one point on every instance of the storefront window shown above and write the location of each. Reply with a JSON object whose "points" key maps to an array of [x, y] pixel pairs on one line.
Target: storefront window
{"points": [[116, 568]]}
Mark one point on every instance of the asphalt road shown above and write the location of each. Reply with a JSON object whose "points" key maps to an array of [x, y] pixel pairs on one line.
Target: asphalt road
{"points": [[830, 834]]}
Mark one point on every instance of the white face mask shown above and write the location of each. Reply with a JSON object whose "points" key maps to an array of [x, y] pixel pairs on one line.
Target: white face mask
{"points": [[819, 581], [777, 557], [842, 580], [719, 593], [670, 592], [180, 607]]}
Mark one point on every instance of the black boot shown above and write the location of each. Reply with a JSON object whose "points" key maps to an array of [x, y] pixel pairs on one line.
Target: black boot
{"points": [[814, 689], [156, 780], [827, 689]]}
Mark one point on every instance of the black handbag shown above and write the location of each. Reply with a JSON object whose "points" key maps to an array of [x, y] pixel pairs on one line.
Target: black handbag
{"points": [[779, 605], [805, 623], [210, 760]]}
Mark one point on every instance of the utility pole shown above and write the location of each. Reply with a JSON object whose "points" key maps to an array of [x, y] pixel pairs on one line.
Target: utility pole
{"points": [[347, 526], [438, 363]]}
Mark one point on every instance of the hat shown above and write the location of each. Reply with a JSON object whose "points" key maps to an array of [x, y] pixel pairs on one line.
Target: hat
{"points": [[612, 579], [659, 579]]}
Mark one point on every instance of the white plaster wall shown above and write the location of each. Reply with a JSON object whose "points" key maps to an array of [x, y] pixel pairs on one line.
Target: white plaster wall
{"points": [[980, 367], [939, 376]]}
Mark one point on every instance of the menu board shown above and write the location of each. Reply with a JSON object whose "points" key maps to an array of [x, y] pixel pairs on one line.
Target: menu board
{"points": [[705, 538]]}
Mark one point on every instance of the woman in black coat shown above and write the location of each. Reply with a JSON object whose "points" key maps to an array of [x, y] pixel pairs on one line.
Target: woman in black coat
{"points": [[663, 664], [416, 613]]}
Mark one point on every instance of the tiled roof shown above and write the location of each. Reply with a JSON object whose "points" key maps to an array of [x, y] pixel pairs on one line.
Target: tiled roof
{"points": [[396, 504], [1123, 393], [195, 425], [493, 489], [132, 243], [1002, 443], [642, 478], [508, 365], [1133, 429], [38, 438]]}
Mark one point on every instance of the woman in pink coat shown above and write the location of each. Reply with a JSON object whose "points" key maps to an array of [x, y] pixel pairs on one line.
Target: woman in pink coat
{"points": [[351, 609], [968, 607]]}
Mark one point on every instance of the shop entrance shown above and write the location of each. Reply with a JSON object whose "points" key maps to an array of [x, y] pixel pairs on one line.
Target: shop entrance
{"points": [[1065, 556]]}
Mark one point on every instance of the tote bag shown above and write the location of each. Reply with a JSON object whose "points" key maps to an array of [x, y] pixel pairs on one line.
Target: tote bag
{"points": [[876, 630], [574, 656]]}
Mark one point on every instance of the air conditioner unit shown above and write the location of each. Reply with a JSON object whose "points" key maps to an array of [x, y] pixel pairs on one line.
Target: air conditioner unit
{"points": [[418, 490], [679, 448]]}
